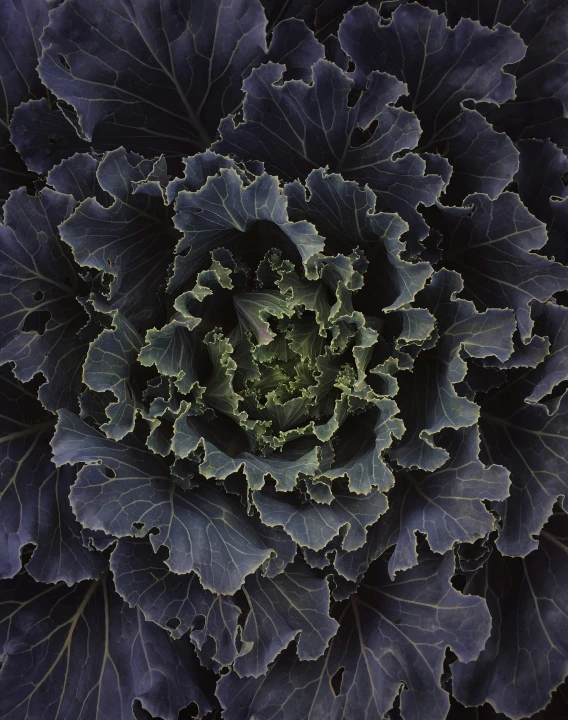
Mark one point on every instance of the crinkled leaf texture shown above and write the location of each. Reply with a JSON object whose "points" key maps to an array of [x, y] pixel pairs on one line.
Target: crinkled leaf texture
{"points": [[283, 359]]}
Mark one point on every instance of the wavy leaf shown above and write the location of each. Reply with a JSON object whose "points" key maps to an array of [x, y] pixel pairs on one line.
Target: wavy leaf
{"points": [[44, 629], [203, 530]]}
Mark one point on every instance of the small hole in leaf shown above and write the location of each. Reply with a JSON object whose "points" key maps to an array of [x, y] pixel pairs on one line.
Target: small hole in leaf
{"points": [[109, 472], [138, 525], [198, 623], [354, 95], [38, 296], [360, 136], [26, 553], [458, 581], [163, 552], [173, 623], [36, 321], [63, 61], [110, 263], [336, 681]]}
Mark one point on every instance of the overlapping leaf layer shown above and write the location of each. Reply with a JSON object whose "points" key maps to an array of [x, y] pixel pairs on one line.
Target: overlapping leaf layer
{"points": [[283, 359]]}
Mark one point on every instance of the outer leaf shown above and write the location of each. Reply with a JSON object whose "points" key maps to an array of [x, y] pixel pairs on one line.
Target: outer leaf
{"points": [[442, 67], [295, 45], [540, 23], [323, 16], [313, 525], [41, 318], [202, 529], [46, 629], [60, 552], [492, 247], [428, 399], [175, 602], [294, 602], [541, 98], [533, 446], [526, 656], [553, 323], [34, 495], [43, 136], [541, 169], [25, 429], [445, 505], [107, 367], [312, 126], [223, 210], [540, 179], [77, 176], [380, 645], [21, 24], [170, 72], [128, 240]]}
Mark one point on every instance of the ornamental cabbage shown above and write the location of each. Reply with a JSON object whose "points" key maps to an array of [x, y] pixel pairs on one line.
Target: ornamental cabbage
{"points": [[283, 359]]}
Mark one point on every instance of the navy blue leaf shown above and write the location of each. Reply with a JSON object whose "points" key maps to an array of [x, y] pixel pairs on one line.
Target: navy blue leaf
{"points": [[526, 656], [177, 603], [551, 322], [293, 603], [295, 127], [445, 505], [294, 45], [491, 244], [345, 215], [171, 71], [127, 241], [427, 398], [43, 135], [34, 495], [41, 320], [541, 182], [220, 213], [442, 67], [97, 539], [534, 113], [323, 16], [541, 99], [77, 176], [127, 491], [531, 443], [390, 634], [60, 553], [21, 24], [107, 368], [313, 525], [80, 652]]}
